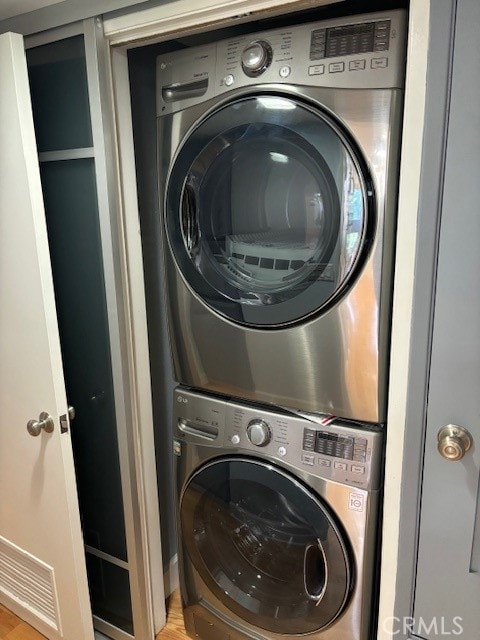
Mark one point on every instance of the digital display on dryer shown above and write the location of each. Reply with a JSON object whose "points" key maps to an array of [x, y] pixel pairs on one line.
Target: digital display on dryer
{"points": [[350, 39]]}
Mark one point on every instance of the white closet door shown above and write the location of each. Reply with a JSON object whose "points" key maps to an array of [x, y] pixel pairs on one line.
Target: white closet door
{"points": [[42, 566]]}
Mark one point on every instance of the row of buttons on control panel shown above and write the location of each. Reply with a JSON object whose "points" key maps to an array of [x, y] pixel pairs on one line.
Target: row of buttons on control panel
{"points": [[353, 65], [340, 466], [319, 69]]}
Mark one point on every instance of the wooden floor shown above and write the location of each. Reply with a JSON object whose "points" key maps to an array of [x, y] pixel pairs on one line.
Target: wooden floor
{"points": [[174, 629], [12, 628]]}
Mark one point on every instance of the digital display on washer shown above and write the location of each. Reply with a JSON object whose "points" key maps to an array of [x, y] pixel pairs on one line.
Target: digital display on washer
{"points": [[335, 445], [351, 39]]}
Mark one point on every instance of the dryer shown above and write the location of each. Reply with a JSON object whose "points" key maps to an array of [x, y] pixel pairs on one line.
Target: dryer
{"points": [[278, 163], [277, 521]]}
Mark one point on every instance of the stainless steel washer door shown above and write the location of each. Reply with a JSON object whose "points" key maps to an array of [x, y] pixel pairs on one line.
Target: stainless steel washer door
{"points": [[266, 545], [268, 210]]}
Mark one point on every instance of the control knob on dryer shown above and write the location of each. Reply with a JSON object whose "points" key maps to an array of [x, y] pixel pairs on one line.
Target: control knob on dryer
{"points": [[256, 57], [258, 432]]}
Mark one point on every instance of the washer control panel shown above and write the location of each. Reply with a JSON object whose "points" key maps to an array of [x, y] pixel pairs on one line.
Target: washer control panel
{"points": [[336, 450], [336, 445]]}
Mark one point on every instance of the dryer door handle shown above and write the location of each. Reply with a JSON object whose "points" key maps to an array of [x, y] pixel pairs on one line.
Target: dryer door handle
{"points": [[315, 571], [189, 219]]}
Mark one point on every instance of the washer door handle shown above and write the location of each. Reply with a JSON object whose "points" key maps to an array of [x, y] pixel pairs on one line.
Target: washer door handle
{"points": [[315, 571]]}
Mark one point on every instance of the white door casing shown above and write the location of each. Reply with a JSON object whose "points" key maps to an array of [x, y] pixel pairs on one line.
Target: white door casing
{"points": [[42, 566]]}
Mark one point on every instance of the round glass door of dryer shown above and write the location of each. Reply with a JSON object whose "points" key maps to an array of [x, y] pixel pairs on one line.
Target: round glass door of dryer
{"points": [[268, 211], [266, 546]]}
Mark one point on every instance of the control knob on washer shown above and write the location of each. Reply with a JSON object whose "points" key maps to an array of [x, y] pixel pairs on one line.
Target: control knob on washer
{"points": [[258, 432], [256, 57]]}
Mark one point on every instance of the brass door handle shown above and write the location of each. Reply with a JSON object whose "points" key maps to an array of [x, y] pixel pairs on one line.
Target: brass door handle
{"points": [[45, 422], [454, 442]]}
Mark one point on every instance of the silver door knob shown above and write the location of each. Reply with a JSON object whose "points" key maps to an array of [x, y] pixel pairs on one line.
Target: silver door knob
{"points": [[454, 442], [45, 422]]}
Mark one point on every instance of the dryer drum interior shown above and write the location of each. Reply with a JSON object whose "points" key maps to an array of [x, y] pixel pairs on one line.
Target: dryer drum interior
{"points": [[266, 545], [268, 210]]}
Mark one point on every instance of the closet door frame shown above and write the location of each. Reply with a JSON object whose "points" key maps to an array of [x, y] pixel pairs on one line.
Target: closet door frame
{"points": [[158, 22]]}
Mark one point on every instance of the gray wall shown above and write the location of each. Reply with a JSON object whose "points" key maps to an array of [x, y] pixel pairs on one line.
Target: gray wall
{"points": [[142, 80]]}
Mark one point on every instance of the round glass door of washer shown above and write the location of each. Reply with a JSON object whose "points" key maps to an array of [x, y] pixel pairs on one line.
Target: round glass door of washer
{"points": [[266, 546], [268, 211]]}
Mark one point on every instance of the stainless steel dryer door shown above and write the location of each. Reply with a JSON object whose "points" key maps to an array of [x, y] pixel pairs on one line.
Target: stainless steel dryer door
{"points": [[268, 210], [266, 546]]}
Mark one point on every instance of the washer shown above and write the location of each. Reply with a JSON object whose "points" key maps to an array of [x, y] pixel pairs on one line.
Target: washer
{"points": [[277, 521], [278, 162]]}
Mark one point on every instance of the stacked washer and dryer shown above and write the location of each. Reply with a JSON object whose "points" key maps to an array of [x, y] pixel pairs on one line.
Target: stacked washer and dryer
{"points": [[278, 161]]}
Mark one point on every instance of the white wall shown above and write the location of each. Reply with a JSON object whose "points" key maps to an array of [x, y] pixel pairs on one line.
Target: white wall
{"points": [[10, 8], [33, 16]]}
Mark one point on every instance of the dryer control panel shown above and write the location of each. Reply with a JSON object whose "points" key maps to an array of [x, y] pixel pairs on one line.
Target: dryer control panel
{"points": [[322, 446], [356, 52], [352, 52]]}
